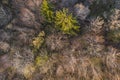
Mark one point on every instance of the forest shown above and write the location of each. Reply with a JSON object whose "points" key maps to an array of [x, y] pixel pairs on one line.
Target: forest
{"points": [[59, 39]]}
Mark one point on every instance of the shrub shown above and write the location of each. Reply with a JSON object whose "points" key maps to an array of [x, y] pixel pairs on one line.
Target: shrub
{"points": [[38, 41], [114, 36], [47, 11], [66, 22], [41, 60]]}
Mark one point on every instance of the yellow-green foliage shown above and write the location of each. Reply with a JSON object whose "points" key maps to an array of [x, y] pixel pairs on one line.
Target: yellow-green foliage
{"points": [[38, 41], [62, 20], [47, 12], [41, 60], [114, 36], [66, 22]]}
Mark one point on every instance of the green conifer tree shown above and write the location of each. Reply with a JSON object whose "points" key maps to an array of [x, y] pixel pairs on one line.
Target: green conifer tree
{"points": [[47, 11], [66, 22]]}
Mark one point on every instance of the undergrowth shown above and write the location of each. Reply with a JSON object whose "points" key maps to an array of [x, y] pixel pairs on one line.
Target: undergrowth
{"points": [[38, 41], [114, 36]]}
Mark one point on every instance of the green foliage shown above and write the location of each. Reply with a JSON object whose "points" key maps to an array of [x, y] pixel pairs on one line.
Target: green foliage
{"points": [[38, 41], [41, 60], [62, 20], [114, 36], [66, 22], [47, 11]]}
